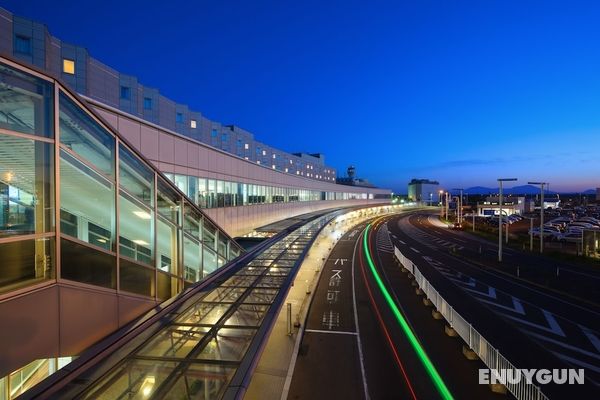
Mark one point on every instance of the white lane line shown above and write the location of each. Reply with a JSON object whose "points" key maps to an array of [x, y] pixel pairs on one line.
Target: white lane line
{"points": [[339, 332], [415, 250], [358, 342], [401, 241]]}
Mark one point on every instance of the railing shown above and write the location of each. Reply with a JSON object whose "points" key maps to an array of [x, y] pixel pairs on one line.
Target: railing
{"points": [[490, 356]]}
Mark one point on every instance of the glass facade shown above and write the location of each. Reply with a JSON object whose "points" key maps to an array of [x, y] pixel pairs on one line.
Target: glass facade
{"points": [[80, 195], [213, 193]]}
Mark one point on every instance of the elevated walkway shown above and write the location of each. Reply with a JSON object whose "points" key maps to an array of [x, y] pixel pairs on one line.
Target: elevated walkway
{"points": [[200, 344]]}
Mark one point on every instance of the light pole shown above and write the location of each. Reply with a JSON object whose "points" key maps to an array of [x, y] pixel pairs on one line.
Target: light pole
{"points": [[440, 193], [447, 196], [460, 204], [500, 180], [541, 212]]}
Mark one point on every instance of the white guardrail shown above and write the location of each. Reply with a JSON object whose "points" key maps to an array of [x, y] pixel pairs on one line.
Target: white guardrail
{"points": [[490, 356]]}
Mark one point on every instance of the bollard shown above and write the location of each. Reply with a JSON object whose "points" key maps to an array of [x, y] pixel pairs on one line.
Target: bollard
{"points": [[289, 319]]}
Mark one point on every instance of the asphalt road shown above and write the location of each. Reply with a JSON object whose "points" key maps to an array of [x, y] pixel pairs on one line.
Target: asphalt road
{"points": [[565, 326], [353, 346]]}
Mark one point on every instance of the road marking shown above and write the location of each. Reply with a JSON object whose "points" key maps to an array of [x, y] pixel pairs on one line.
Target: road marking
{"points": [[415, 250], [338, 332], [552, 327], [591, 336], [358, 342]]}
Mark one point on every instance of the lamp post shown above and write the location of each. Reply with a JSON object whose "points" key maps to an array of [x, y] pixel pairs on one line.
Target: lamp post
{"points": [[447, 197], [500, 180], [541, 212], [460, 205], [440, 193]]}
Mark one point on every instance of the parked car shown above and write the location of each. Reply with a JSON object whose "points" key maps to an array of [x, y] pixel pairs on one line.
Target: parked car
{"points": [[571, 237]]}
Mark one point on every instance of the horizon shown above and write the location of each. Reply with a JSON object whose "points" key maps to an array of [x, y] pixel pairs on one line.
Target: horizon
{"points": [[460, 93]]}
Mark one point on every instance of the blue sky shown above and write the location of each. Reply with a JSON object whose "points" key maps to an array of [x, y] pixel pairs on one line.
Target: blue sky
{"points": [[462, 92]]}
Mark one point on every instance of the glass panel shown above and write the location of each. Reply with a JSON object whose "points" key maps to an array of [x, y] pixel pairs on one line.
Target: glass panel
{"points": [[192, 221], [167, 201], [166, 286], [229, 345], [135, 230], [202, 382], [85, 264], [209, 262], [192, 262], [166, 246], [203, 313], [202, 193], [248, 315], [27, 104], [87, 203], [135, 176], [26, 262], [222, 245], [209, 234], [174, 341], [82, 134], [26, 186], [136, 278], [134, 379]]}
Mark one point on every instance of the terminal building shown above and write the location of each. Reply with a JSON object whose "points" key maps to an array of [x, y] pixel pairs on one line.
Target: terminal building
{"points": [[423, 190], [114, 198]]}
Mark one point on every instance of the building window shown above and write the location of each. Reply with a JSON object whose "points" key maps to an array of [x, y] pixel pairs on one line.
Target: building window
{"points": [[246, 146], [125, 93], [147, 103], [264, 152], [193, 124], [179, 118], [224, 137], [22, 44], [68, 66], [213, 133]]}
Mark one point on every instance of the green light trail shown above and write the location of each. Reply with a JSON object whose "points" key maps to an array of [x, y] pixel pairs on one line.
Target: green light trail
{"points": [[435, 376]]}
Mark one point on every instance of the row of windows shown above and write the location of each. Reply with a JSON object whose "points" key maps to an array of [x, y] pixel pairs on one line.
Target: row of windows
{"points": [[23, 45], [212, 193], [116, 219]]}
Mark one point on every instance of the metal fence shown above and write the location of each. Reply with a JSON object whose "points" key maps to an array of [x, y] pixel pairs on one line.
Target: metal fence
{"points": [[490, 356]]}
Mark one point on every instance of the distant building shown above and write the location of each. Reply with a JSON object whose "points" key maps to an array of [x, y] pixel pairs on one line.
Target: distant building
{"points": [[423, 190], [352, 180], [597, 194], [510, 205]]}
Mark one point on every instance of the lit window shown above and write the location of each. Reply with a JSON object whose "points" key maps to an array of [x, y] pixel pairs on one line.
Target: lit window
{"points": [[273, 166], [68, 66], [258, 161], [125, 92], [245, 158], [264, 153], [147, 103], [193, 124], [22, 44], [179, 118], [246, 146], [307, 166], [286, 170], [297, 172], [291, 162], [274, 156]]}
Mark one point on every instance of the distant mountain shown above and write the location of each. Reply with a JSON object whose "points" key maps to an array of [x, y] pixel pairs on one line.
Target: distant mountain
{"points": [[523, 189], [589, 191], [480, 190]]}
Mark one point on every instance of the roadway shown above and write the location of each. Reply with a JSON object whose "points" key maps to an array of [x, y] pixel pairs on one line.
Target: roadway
{"points": [[567, 326], [353, 345]]}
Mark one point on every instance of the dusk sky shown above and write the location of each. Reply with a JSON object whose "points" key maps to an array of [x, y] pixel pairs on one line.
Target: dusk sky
{"points": [[461, 92]]}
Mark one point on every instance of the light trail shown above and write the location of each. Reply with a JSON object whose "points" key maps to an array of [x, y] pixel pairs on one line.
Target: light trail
{"points": [[429, 367], [385, 331]]}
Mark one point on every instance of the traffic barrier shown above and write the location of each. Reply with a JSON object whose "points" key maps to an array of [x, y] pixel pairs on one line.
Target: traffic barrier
{"points": [[487, 353]]}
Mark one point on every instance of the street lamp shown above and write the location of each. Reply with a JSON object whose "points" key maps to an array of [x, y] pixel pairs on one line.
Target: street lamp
{"points": [[541, 212], [500, 180], [440, 193], [460, 204]]}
